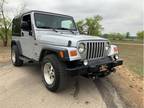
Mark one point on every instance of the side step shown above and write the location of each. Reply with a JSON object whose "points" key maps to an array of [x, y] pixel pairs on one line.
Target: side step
{"points": [[26, 60]]}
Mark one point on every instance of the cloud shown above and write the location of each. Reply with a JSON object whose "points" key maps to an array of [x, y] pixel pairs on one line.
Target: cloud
{"points": [[118, 15]]}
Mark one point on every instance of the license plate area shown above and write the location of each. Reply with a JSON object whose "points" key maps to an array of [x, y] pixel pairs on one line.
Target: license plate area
{"points": [[103, 68]]}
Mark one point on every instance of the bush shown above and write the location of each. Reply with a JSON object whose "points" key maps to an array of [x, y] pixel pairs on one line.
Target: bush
{"points": [[140, 35], [115, 36]]}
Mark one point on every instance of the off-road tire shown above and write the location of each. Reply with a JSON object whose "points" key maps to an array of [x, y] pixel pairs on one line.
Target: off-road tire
{"points": [[60, 79], [17, 61]]}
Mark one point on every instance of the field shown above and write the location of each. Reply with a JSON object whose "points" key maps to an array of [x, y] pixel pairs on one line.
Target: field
{"points": [[136, 41], [133, 56]]}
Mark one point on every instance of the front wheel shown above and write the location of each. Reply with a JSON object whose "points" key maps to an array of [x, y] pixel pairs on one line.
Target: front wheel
{"points": [[54, 76]]}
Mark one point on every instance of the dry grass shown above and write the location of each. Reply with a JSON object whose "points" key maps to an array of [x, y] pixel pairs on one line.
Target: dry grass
{"points": [[1, 43], [133, 57]]}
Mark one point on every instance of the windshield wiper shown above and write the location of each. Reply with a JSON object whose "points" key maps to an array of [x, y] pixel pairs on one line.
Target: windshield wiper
{"points": [[66, 29], [48, 28]]}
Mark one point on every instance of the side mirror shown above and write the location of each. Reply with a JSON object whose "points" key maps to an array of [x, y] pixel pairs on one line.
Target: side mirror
{"points": [[85, 29], [25, 26]]}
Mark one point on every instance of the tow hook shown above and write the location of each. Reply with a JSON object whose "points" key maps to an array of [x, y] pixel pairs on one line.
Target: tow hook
{"points": [[113, 70]]}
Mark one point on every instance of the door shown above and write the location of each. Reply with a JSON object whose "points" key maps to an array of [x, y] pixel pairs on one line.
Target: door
{"points": [[27, 38]]}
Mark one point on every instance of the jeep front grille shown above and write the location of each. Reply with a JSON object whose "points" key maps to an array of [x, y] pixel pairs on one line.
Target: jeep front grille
{"points": [[95, 50]]}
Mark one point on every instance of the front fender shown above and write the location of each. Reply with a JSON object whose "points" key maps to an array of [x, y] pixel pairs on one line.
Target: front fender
{"points": [[56, 49]]}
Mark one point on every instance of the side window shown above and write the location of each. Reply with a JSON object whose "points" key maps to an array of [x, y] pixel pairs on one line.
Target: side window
{"points": [[27, 19], [16, 29]]}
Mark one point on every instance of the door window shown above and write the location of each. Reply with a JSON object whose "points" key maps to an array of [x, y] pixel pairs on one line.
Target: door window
{"points": [[27, 19], [16, 29]]}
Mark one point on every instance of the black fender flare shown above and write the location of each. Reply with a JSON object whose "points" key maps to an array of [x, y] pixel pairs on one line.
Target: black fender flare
{"points": [[17, 43], [49, 50]]}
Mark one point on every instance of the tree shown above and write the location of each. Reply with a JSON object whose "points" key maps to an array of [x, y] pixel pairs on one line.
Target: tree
{"points": [[5, 24], [90, 26], [128, 35], [80, 25], [140, 35]]}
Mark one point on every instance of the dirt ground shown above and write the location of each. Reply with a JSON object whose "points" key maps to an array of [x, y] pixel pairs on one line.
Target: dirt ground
{"points": [[4, 55], [129, 86], [22, 87]]}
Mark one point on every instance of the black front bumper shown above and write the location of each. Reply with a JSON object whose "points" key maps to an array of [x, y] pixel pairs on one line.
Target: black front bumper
{"points": [[117, 63], [95, 64]]}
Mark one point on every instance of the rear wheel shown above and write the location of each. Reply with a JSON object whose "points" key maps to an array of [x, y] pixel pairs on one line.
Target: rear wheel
{"points": [[15, 56], [54, 75]]}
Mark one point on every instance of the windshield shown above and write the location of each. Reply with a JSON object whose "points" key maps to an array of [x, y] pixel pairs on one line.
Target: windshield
{"points": [[54, 22]]}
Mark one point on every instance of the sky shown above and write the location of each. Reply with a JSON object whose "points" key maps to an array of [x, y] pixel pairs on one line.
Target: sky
{"points": [[118, 15]]}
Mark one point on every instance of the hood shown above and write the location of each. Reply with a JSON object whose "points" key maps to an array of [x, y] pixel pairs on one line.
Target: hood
{"points": [[63, 38]]}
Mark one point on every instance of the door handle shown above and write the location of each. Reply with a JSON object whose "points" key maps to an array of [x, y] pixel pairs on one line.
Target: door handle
{"points": [[22, 34]]}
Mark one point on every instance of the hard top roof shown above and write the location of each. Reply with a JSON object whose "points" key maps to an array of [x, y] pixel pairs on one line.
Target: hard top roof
{"points": [[43, 12]]}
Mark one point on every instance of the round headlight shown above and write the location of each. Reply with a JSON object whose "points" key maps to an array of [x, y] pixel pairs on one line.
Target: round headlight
{"points": [[81, 47]]}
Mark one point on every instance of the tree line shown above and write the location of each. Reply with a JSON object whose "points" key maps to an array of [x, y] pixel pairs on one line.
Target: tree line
{"points": [[92, 26]]}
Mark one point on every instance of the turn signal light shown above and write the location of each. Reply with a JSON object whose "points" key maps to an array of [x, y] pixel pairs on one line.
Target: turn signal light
{"points": [[73, 53], [115, 49], [61, 53]]}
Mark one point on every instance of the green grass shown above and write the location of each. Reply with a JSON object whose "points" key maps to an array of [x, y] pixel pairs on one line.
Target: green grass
{"points": [[137, 41], [133, 57]]}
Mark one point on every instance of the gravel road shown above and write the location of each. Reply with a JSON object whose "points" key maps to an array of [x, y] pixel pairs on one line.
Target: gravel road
{"points": [[21, 87]]}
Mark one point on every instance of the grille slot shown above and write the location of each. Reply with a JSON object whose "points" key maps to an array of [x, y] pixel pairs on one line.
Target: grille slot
{"points": [[95, 50]]}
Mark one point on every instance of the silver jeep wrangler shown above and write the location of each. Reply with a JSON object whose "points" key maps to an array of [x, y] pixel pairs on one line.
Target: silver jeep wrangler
{"points": [[54, 41]]}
